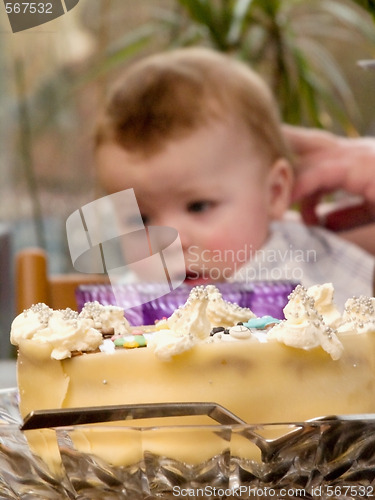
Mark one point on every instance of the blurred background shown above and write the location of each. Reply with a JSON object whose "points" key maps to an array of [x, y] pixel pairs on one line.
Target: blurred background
{"points": [[53, 79]]}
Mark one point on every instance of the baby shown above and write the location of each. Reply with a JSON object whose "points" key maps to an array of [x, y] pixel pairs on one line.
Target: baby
{"points": [[198, 137]]}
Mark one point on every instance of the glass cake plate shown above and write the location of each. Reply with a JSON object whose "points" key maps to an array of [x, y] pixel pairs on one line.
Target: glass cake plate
{"points": [[327, 458]]}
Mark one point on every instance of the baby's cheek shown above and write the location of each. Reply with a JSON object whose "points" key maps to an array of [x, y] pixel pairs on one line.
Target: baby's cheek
{"points": [[222, 246], [234, 246]]}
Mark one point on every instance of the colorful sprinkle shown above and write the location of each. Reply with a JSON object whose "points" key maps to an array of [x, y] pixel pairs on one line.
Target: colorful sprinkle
{"points": [[218, 329], [240, 332], [137, 332], [130, 341], [261, 323]]}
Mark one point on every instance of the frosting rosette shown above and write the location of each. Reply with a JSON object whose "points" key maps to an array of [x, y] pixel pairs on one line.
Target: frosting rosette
{"points": [[305, 327]]}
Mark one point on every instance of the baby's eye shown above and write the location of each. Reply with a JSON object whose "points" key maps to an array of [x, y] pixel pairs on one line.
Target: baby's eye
{"points": [[199, 206]]}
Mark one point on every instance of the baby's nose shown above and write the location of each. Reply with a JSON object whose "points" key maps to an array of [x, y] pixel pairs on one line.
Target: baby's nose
{"points": [[177, 223], [161, 237], [165, 240], [183, 232]]}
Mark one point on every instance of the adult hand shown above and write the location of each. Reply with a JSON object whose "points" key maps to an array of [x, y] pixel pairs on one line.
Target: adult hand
{"points": [[326, 163]]}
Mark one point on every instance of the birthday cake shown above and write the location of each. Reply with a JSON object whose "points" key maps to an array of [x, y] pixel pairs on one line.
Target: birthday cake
{"points": [[315, 362]]}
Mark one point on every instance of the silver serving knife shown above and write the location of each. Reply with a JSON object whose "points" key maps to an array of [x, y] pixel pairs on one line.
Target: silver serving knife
{"points": [[65, 417]]}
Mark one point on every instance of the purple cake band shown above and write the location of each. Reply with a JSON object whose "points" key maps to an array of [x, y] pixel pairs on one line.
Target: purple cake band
{"points": [[263, 298]]}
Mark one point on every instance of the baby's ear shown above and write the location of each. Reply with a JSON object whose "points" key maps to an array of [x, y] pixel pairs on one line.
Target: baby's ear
{"points": [[280, 181]]}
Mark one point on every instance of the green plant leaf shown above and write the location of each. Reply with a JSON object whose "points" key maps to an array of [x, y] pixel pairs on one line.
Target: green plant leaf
{"points": [[238, 22], [204, 12]]}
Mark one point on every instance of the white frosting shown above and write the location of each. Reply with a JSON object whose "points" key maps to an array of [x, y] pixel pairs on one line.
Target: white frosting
{"points": [[167, 344], [107, 346], [312, 320], [304, 326], [27, 324], [192, 323], [204, 309], [223, 313], [222, 337], [359, 315], [66, 331], [191, 319], [66, 336], [324, 304], [107, 319]]}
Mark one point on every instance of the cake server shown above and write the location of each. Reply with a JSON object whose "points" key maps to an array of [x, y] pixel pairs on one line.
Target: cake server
{"points": [[66, 417]]}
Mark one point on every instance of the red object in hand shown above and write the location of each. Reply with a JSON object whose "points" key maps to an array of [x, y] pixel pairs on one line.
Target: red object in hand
{"points": [[343, 219]]}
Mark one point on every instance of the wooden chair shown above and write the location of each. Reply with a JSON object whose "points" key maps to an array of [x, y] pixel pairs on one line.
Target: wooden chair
{"points": [[34, 283]]}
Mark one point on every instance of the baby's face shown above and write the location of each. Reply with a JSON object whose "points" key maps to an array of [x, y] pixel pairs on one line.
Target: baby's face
{"points": [[212, 186]]}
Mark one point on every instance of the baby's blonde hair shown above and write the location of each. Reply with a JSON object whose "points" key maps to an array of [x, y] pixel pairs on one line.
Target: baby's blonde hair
{"points": [[169, 95]]}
